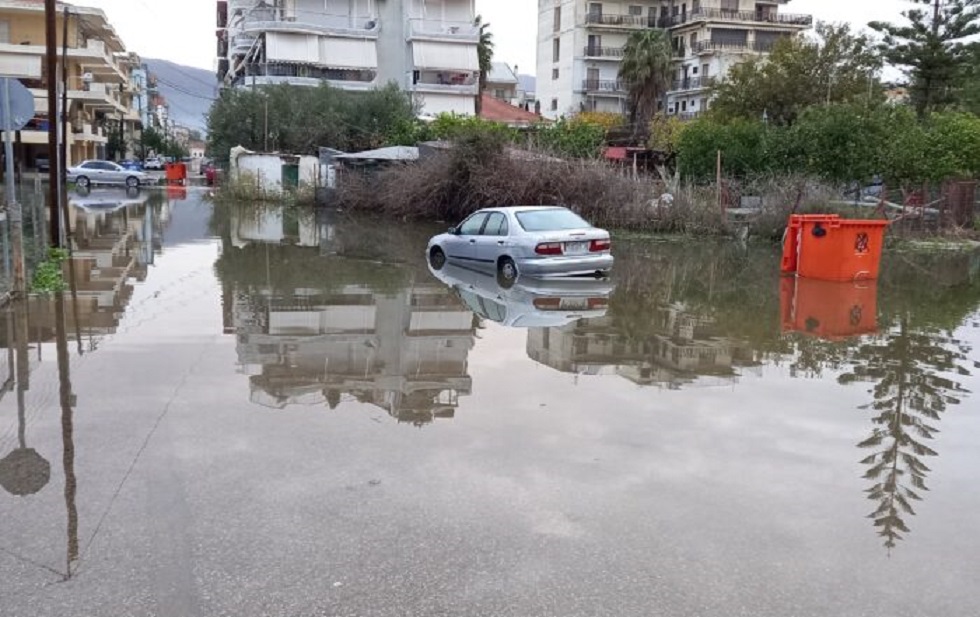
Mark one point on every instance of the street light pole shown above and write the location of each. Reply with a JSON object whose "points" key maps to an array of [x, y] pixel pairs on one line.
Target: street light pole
{"points": [[54, 163]]}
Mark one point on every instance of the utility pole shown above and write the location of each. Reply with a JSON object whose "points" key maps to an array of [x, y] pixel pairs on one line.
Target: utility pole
{"points": [[14, 211], [54, 163]]}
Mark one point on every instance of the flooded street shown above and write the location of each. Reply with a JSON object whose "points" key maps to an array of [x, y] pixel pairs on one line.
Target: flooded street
{"points": [[279, 412]]}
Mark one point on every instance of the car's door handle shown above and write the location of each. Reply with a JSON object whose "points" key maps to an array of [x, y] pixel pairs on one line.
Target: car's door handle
{"points": [[473, 241], [500, 242]]}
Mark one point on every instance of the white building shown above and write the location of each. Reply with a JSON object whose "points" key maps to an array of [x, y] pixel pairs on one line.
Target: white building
{"points": [[427, 47], [580, 47]]}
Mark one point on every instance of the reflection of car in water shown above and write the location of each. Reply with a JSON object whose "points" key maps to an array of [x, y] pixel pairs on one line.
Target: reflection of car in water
{"points": [[529, 303], [108, 200]]}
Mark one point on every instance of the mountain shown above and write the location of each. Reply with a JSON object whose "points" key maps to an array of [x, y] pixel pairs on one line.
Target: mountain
{"points": [[188, 90]]}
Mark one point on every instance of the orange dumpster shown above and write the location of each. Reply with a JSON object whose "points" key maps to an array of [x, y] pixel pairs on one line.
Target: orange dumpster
{"points": [[827, 247], [176, 173], [827, 309]]}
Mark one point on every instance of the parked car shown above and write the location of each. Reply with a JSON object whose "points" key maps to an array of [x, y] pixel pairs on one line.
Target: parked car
{"points": [[530, 303], [154, 163], [132, 165], [105, 172], [537, 241]]}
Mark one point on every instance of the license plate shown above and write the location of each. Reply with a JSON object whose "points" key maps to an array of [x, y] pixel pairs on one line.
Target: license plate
{"points": [[576, 248], [574, 304]]}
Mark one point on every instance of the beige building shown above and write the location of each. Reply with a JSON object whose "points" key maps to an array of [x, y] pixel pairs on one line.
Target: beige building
{"points": [[101, 90]]}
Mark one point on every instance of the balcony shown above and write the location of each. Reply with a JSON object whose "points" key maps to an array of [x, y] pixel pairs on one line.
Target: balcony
{"points": [[451, 31], [629, 22], [612, 87], [693, 83], [311, 22], [708, 47], [443, 83], [755, 17], [607, 53]]}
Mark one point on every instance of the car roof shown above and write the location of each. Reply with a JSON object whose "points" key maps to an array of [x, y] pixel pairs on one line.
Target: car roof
{"points": [[515, 209]]}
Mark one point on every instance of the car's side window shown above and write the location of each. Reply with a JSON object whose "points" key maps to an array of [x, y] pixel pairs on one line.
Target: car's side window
{"points": [[496, 225], [473, 225], [87, 165]]}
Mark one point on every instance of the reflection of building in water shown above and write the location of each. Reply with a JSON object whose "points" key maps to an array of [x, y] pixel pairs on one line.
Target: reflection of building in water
{"points": [[114, 244], [678, 348], [314, 329], [404, 352]]}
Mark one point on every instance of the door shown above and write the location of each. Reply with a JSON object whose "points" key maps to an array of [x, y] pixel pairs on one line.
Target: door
{"points": [[113, 173], [462, 245], [592, 79], [492, 242], [595, 45]]}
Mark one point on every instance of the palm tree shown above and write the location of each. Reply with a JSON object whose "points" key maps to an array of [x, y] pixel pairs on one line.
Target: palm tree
{"points": [[484, 51], [646, 71]]}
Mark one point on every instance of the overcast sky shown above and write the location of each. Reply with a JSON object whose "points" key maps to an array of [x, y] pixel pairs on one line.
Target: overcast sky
{"points": [[183, 30]]}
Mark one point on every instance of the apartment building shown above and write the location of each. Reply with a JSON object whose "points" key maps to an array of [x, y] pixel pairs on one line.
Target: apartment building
{"points": [[427, 47], [580, 47], [100, 88]]}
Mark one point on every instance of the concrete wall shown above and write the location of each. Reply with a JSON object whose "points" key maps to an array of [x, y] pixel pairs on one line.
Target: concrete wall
{"points": [[265, 170]]}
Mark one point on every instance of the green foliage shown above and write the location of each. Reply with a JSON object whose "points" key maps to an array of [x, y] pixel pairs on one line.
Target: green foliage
{"points": [[744, 145], [49, 276], [160, 143], [298, 120], [646, 69], [841, 144], [932, 47], [572, 138], [837, 66]]}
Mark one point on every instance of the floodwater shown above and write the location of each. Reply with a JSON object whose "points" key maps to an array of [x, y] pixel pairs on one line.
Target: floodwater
{"points": [[240, 411]]}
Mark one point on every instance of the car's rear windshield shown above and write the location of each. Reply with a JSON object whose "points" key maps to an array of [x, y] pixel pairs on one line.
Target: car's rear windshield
{"points": [[556, 219]]}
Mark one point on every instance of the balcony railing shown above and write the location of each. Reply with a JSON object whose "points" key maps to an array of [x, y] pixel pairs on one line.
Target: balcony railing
{"points": [[455, 30], [263, 20], [613, 86], [703, 47], [594, 51], [783, 19], [693, 83], [626, 21]]}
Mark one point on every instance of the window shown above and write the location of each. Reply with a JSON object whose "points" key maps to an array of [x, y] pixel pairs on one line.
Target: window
{"points": [[496, 225], [556, 50], [594, 45], [705, 70], [595, 9], [551, 219], [683, 105], [557, 24], [473, 225], [4, 31], [554, 73], [554, 104], [694, 70], [636, 10], [729, 5]]}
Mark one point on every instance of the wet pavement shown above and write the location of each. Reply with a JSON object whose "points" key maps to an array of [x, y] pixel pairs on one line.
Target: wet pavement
{"points": [[244, 412]]}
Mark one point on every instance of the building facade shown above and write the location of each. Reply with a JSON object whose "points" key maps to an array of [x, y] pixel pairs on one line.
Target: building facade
{"points": [[426, 47], [102, 95], [580, 47]]}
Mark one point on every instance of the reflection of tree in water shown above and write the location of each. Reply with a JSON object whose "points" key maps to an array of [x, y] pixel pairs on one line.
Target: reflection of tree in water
{"points": [[912, 370]]}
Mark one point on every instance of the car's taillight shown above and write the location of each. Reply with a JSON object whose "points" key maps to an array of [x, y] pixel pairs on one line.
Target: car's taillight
{"points": [[597, 246], [598, 303], [548, 248], [547, 304]]}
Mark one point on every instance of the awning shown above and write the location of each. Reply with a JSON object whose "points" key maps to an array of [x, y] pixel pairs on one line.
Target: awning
{"points": [[23, 66], [292, 47], [338, 53], [446, 56]]}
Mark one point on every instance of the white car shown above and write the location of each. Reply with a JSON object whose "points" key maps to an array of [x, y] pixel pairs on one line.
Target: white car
{"points": [[538, 241], [530, 303], [154, 164], [105, 172]]}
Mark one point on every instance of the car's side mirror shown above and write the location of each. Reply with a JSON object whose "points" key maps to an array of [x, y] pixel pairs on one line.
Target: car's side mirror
{"points": [[453, 231]]}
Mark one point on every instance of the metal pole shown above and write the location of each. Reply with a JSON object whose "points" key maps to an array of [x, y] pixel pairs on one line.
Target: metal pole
{"points": [[14, 212], [54, 167], [63, 149]]}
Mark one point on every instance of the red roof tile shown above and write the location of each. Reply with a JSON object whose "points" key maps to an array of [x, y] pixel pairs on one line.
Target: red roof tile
{"points": [[501, 111]]}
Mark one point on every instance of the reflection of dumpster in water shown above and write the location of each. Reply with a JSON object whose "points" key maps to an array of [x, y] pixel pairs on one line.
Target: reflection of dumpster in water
{"points": [[827, 309]]}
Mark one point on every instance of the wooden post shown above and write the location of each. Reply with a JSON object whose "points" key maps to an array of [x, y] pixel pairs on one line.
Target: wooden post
{"points": [[718, 182], [54, 164]]}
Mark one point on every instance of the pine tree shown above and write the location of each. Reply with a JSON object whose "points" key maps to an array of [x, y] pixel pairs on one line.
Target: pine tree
{"points": [[934, 49]]}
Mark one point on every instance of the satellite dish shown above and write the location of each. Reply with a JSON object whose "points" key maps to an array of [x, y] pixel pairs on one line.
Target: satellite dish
{"points": [[16, 104]]}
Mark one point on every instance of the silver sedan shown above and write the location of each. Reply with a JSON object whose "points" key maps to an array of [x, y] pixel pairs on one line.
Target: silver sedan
{"points": [[537, 241], [88, 173]]}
